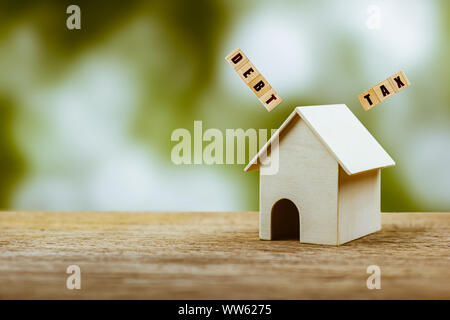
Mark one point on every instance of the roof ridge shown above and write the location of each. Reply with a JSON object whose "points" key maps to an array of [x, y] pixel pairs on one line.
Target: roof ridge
{"points": [[357, 136]]}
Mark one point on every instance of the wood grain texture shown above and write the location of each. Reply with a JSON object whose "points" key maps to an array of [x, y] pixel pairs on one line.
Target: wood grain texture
{"points": [[214, 256]]}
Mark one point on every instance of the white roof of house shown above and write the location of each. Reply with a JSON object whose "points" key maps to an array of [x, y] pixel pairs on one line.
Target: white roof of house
{"points": [[342, 134]]}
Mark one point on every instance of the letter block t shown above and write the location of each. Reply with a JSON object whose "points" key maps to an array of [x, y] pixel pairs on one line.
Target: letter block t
{"points": [[383, 90]]}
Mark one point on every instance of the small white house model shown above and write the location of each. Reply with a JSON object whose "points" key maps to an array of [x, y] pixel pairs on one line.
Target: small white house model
{"points": [[326, 186]]}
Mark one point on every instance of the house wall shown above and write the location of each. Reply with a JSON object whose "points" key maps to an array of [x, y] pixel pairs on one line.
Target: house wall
{"points": [[308, 176], [359, 204]]}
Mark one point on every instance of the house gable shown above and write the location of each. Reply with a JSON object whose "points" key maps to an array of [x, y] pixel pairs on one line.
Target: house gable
{"points": [[308, 176]]}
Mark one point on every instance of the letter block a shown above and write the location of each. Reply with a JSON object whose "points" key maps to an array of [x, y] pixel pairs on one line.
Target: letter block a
{"points": [[384, 90]]}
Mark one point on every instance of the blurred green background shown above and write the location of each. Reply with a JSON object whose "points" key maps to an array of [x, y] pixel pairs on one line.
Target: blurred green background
{"points": [[87, 115]]}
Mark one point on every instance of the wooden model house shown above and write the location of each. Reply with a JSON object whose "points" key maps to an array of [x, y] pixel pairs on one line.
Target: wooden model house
{"points": [[326, 189]]}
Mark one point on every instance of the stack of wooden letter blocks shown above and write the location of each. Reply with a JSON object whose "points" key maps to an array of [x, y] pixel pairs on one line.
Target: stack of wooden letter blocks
{"points": [[383, 90], [256, 82]]}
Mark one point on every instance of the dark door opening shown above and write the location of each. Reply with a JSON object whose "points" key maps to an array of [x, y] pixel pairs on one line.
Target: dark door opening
{"points": [[285, 221]]}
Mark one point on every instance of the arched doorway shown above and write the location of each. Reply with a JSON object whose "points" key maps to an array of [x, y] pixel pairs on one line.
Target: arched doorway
{"points": [[285, 221]]}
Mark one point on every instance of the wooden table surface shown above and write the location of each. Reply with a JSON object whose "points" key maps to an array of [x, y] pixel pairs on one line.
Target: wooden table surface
{"points": [[214, 256]]}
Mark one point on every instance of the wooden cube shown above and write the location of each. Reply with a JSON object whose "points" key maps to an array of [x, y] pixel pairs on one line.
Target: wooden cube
{"points": [[236, 59], [368, 99], [259, 86], [248, 72], [384, 90], [251, 76], [270, 99], [399, 81]]}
